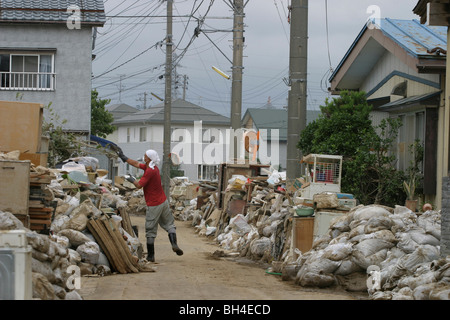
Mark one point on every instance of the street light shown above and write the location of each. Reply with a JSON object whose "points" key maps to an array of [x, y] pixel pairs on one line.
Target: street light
{"points": [[223, 74]]}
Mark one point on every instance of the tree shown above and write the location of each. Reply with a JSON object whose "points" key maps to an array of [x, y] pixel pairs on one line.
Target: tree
{"points": [[345, 128], [62, 144], [101, 118], [343, 121]]}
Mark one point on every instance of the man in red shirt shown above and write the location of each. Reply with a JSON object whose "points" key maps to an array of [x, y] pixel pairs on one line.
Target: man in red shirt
{"points": [[158, 210]]}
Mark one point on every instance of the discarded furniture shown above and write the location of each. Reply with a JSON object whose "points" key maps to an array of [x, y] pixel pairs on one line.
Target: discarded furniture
{"points": [[302, 233], [323, 174]]}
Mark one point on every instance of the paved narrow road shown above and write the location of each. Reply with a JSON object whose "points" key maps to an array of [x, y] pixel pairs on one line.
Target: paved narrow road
{"points": [[197, 275]]}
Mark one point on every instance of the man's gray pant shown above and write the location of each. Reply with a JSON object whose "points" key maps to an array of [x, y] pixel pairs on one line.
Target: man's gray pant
{"points": [[159, 215]]}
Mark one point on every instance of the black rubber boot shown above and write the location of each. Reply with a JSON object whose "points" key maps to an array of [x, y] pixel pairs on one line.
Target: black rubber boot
{"points": [[151, 251], [173, 241]]}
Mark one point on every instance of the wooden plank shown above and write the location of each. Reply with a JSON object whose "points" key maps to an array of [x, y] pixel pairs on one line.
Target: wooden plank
{"points": [[40, 221], [126, 222], [40, 216], [108, 248], [121, 245], [40, 210]]}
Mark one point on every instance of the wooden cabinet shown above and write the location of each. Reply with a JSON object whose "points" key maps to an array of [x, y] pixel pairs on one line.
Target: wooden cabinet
{"points": [[303, 231]]}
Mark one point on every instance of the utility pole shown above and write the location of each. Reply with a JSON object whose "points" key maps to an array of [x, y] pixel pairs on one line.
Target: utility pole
{"points": [[298, 65], [168, 101], [121, 87], [144, 100], [238, 53], [185, 86]]}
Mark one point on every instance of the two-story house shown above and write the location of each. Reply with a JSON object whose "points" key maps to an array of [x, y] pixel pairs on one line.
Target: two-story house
{"points": [[272, 124], [400, 64], [46, 55]]}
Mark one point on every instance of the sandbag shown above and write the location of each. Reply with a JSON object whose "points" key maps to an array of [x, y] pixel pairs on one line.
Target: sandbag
{"points": [[370, 246], [422, 238], [43, 268], [347, 266], [354, 282], [426, 253], [74, 257], [326, 200], [59, 291], [59, 223], [42, 288], [415, 281], [312, 279], [9, 222], [75, 237], [73, 295], [38, 242], [240, 225], [365, 261], [337, 252], [378, 223], [89, 252], [259, 246], [365, 213]]}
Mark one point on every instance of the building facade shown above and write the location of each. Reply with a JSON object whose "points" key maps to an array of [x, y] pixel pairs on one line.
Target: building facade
{"points": [[46, 56]]}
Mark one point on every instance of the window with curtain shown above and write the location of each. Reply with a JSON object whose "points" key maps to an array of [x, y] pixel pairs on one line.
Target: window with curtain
{"points": [[26, 71]]}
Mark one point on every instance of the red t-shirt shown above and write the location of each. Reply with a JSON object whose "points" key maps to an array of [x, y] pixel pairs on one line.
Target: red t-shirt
{"points": [[151, 183]]}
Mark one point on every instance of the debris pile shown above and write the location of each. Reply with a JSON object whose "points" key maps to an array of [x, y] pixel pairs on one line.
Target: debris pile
{"points": [[398, 248], [389, 253], [90, 232]]}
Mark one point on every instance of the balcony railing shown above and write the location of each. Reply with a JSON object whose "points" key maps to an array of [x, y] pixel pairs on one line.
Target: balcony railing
{"points": [[27, 81]]}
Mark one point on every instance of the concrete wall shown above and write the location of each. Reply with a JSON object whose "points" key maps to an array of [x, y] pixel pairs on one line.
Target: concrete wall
{"points": [[71, 98]]}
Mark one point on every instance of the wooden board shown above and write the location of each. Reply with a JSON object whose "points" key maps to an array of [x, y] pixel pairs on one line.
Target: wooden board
{"points": [[112, 243]]}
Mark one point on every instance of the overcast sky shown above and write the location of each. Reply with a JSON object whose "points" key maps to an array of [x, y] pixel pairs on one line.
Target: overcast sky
{"points": [[130, 59]]}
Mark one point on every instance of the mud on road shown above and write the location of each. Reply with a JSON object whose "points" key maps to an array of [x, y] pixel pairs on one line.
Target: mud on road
{"points": [[199, 274]]}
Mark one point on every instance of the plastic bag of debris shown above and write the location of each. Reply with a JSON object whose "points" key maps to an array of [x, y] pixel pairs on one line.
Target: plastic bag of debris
{"points": [[237, 182], [240, 225], [276, 177], [89, 252], [9, 222], [75, 237], [90, 163], [326, 200], [259, 246]]}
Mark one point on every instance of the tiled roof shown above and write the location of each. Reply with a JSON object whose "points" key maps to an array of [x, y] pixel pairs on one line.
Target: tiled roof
{"points": [[181, 112], [275, 119], [51, 11]]}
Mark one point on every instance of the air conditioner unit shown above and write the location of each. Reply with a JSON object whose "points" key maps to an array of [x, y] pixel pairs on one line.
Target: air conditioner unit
{"points": [[15, 265]]}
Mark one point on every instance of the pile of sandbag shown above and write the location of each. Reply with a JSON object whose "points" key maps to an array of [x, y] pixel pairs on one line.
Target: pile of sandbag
{"points": [[391, 253], [50, 261]]}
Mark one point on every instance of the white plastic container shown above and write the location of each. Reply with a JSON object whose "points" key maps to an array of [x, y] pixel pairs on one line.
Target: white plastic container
{"points": [[322, 222], [16, 240]]}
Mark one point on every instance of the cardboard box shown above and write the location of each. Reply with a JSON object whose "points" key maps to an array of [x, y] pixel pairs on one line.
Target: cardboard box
{"points": [[21, 124]]}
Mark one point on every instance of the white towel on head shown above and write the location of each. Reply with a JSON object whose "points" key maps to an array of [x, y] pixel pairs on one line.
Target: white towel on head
{"points": [[154, 158]]}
